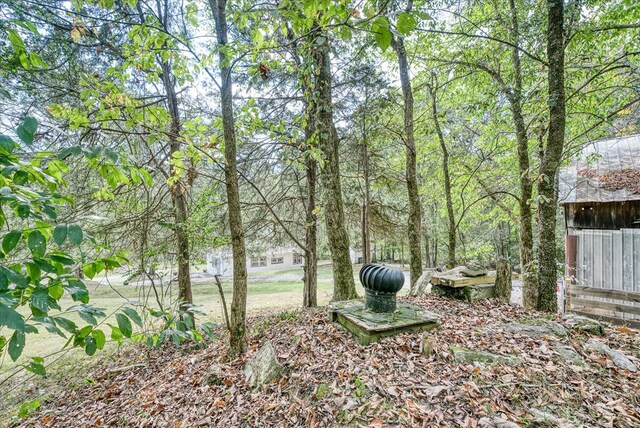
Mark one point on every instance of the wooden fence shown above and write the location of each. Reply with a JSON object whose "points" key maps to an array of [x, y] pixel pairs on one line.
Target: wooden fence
{"points": [[607, 275], [618, 307]]}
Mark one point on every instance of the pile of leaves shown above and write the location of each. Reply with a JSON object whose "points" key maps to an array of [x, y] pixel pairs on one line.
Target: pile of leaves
{"points": [[628, 178], [330, 380]]}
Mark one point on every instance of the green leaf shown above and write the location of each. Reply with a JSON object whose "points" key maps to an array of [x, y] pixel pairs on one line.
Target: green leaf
{"points": [[27, 130], [406, 23], [66, 324], [133, 314], [14, 277], [10, 240], [16, 345], [381, 31], [89, 270], [6, 144], [11, 318], [56, 291], [90, 345], [78, 291], [116, 334], [3, 341], [60, 234], [124, 325], [41, 300], [36, 367], [33, 271], [75, 235], [100, 338], [37, 243], [23, 210]]}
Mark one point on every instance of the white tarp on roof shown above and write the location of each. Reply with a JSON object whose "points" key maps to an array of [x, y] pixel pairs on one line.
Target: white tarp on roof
{"points": [[578, 182]]}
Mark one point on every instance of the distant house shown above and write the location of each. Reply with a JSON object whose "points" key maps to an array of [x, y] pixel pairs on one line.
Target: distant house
{"points": [[221, 262], [600, 193]]}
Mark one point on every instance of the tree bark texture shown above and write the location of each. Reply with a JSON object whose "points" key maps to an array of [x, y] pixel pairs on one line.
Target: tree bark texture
{"points": [[451, 253], [310, 292], [366, 206], [529, 278], [178, 190], [343, 283], [238, 340], [552, 155], [503, 280], [414, 222]]}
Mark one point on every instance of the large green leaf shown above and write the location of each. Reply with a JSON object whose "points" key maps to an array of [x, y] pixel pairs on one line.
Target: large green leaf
{"points": [[14, 277], [27, 130], [10, 240], [11, 318], [124, 325], [16, 345], [90, 345], [133, 314], [100, 338], [406, 23], [60, 234], [37, 243], [381, 32], [75, 235]]}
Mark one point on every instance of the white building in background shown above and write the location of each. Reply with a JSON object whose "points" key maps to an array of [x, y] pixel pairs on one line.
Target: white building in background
{"points": [[221, 263]]}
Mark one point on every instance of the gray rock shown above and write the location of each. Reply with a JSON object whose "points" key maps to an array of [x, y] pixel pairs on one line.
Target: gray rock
{"points": [[547, 329], [214, 376], [619, 358], [463, 355], [471, 293], [421, 286], [588, 325], [263, 367], [570, 355], [495, 422]]}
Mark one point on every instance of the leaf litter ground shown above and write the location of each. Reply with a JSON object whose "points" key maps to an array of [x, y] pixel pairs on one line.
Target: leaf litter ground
{"points": [[330, 380]]}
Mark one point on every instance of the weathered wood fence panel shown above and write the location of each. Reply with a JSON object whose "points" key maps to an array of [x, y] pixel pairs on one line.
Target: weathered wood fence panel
{"points": [[607, 282]]}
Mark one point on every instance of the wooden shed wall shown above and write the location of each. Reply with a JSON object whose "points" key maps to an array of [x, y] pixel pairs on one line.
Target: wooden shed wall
{"points": [[603, 215]]}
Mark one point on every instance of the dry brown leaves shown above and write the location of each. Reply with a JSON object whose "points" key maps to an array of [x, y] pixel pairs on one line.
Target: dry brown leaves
{"points": [[621, 179], [330, 380]]}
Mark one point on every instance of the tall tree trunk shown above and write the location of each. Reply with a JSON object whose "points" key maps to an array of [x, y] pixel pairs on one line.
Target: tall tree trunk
{"points": [[529, 279], [344, 287], [238, 341], [310, 292], [414, 223], [178, 189], [366, 238], [547, 275], [451, 253]]}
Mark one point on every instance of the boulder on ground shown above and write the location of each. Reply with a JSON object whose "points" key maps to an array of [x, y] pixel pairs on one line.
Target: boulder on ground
{"points": [[587, 325], [464, 355], [570, 355], [421, 286], [546, 329], [263, 367], [619, 358]]}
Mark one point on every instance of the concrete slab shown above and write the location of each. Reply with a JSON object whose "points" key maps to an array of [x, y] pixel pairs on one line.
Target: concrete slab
{"points": [[369, 327]]}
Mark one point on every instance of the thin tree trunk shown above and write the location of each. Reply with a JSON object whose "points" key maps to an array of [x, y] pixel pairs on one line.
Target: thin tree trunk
{"points": [[547, 275], [414, 222], [238, 340], [343, 284], [529, 279], [366, 239], [178, 190], [451, 252], [310, 292]]}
